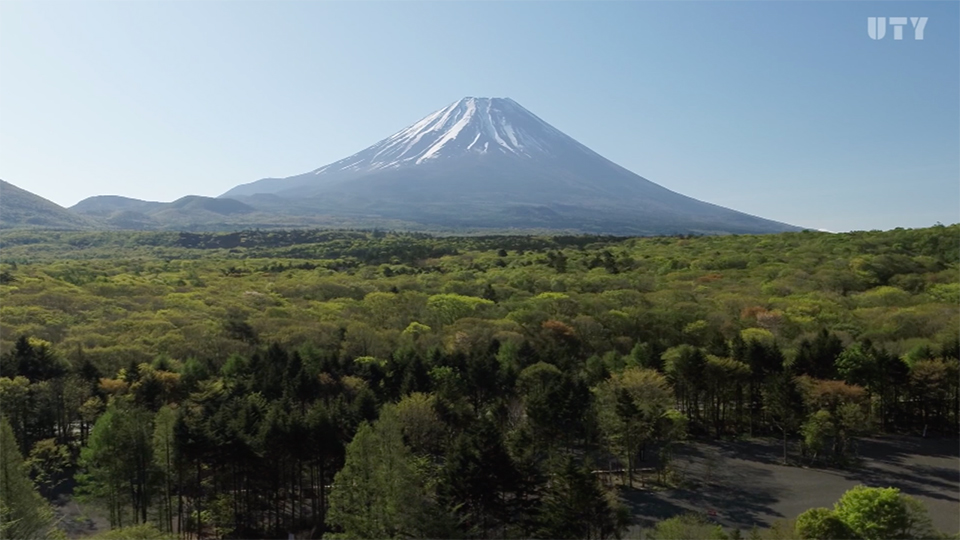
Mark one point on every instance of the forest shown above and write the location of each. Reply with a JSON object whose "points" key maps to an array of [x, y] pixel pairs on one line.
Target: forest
{"points": [[372, 384]]}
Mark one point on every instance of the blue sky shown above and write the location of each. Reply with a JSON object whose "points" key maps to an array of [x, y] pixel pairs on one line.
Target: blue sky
{"points": [[787, 110]]}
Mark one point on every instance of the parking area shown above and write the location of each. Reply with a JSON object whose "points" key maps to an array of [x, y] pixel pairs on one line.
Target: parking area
{"points": [[741, 484]]}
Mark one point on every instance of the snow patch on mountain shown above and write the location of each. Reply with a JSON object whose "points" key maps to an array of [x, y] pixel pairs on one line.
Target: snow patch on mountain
{"points": [[470, 125]]}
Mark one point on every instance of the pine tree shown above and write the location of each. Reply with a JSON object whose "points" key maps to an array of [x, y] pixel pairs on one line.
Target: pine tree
{"points": [[118, 460], [23, 512], [479, 477], [784, 405], [164, 458], [381, 492], [575, 506]]}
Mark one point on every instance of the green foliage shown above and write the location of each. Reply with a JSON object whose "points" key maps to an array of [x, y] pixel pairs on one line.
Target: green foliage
{"points": [[882, 513], [118, 460], [477, 479], [285, 285], [23, 512], [48, 463], [145, 531], [687, 527], [422, 428], [447, 308], [165, 459], [555, 403], [867, 513], [215, 381], [857, 365], [816, 431], [757, 334], [784, 403], [380, 492], [631, 406], [822, 524], [575, 506]]}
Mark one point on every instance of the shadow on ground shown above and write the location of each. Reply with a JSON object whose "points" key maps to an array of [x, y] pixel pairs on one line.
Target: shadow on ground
{"points": [[742, 484]]}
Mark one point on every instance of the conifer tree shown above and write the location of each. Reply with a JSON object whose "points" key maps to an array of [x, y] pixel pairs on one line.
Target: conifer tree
{"points": [[23, 512]]}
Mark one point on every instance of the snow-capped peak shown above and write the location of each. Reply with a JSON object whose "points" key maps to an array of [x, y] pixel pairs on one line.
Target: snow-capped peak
{"points": [[470, 125]]}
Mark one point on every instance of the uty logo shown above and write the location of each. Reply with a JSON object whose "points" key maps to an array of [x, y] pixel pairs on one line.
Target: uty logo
{"points": [[877, 27]]}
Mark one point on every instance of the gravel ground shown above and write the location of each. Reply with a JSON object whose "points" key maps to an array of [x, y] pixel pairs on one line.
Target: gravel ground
{"points": [[743, 483]]}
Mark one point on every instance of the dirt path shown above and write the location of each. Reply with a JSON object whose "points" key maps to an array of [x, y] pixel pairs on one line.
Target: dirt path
{"points": [[78, 520]]}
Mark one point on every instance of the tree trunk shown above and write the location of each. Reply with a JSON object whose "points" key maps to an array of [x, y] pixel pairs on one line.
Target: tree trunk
{"points": [[784, 429], [179, 502], [166, 480], [199, 501], [323, 496]]}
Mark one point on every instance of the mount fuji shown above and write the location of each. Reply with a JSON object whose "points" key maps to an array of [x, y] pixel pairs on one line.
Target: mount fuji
{"points": [[490, 164]]}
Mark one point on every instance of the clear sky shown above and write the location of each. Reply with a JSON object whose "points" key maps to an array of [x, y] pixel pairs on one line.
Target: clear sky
{"points": [[787, 110]]}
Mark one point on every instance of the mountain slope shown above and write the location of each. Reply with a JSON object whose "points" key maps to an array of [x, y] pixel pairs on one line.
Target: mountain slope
{"points": [[187, 212], [21, 209], [483, 163], [105, 205]]}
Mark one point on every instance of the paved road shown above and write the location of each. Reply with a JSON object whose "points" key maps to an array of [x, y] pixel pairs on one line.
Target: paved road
{"points": [[744, 483]]}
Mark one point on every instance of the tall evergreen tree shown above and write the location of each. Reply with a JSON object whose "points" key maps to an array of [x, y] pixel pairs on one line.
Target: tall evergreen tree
{"points": [[816, 358], [23, 512], [479, 478], [575, 506], [118, 461], [381, 490], [784, 405]]}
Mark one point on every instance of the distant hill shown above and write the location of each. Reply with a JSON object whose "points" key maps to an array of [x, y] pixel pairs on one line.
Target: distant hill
{"points": [[106, 205], [21, 209], [195, 203], [190, 212]]}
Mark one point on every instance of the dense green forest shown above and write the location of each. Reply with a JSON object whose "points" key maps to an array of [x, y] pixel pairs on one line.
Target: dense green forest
{"points": [[371, 384]]}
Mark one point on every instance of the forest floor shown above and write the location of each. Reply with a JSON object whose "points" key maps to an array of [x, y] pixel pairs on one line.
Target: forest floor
{"points": [[740, 484], [78, 519]]}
